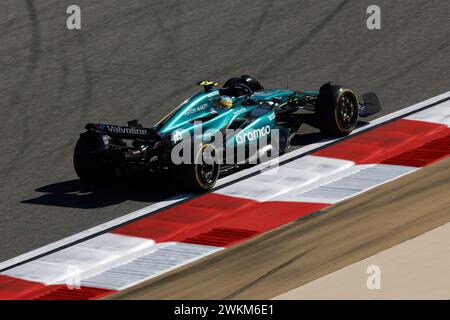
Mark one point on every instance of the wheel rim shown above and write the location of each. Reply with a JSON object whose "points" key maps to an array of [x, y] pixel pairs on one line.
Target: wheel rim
{"points": [[207, 171], [347, 112]]}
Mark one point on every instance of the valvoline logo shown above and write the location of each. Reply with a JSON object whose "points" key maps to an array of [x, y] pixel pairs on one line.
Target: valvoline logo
{"points": [[124, 130], [127, 130]]}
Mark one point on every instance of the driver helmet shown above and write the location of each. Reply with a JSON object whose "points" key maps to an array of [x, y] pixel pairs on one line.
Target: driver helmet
{"points": [[226, 102]]}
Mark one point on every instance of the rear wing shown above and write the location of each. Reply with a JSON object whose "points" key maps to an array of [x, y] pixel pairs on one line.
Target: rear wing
{"points": [[130, 132]]}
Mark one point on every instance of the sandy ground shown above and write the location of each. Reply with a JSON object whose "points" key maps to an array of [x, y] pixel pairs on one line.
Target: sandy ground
{"points": [[310, 248], [415, 269]]}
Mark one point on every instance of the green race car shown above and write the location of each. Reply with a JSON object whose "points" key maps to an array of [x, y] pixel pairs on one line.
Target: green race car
{"points": [[217, 130]]}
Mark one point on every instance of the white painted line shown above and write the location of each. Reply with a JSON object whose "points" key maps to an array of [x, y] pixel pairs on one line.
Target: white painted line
{"points": [[92, 231], [297, 174], [98, 252], [124, 262], [439, 114], [148, 265], [154, 207], [352, 182]]}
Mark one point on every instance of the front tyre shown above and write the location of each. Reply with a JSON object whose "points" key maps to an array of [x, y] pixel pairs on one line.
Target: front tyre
{"points": [[336, 110], [88, 165]]}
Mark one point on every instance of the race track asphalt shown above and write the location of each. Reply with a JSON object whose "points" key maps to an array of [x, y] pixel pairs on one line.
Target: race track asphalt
{"points": [[139, 59]]}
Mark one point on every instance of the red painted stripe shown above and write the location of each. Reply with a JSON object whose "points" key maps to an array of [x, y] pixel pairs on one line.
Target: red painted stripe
{"points": [[16, 289], [182, 218], [12, 288], [215, 218], [385, 142], [62, 292], [221, 237], [258, 218], [424, 155]]}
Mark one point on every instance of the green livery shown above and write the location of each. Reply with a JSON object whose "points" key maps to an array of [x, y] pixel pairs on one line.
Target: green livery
{"points": [[239, 123]]}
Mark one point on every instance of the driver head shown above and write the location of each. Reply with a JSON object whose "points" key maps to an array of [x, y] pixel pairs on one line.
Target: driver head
{"points": [[226, 102]]}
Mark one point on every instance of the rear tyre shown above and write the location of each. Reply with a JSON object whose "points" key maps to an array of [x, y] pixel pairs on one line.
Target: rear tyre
{"points": [[88, 165], [336, 110], [203, 172]]}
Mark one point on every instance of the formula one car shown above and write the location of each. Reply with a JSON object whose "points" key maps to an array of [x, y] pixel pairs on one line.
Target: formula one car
{"points": [[241, 106]]}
